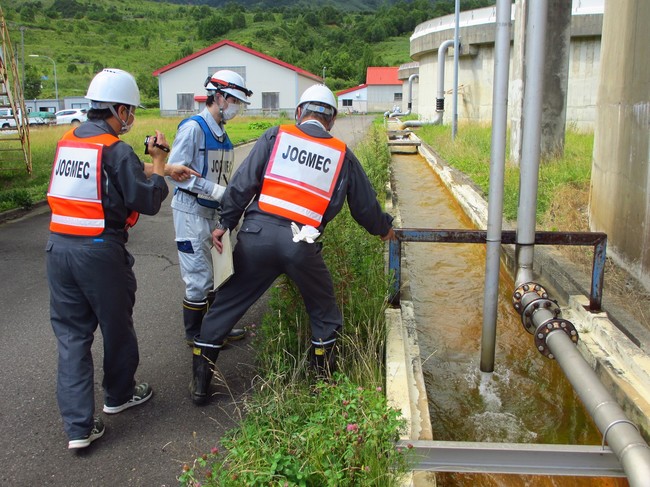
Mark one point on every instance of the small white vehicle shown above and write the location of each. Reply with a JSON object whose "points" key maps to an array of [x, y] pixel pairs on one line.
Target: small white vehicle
{"points": [[73, 116]]}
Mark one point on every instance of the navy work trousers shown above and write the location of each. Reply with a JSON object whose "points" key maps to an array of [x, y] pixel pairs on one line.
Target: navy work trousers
{"points": [[264, 251], [91, 282]]}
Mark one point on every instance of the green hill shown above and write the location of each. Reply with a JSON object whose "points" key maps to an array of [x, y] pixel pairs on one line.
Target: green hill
{"points": [[83, 36]]}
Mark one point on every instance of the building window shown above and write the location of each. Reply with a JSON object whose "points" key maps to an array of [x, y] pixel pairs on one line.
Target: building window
{"points": [[347, 103], [397, 97], [185, 102], [270, 100]]}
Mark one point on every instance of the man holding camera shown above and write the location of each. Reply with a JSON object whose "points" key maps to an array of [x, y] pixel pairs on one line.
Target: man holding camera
{"points": [[203, 145], [97, 190]]}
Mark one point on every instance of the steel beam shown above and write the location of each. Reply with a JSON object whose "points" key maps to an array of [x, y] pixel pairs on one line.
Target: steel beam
{"points": [[513, 458]]}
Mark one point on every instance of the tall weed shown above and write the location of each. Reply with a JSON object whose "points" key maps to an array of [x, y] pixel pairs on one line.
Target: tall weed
{"points": [[470, 154]]}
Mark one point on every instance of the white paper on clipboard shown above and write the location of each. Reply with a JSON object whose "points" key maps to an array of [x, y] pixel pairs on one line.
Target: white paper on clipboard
{"points": [[222, 262]]}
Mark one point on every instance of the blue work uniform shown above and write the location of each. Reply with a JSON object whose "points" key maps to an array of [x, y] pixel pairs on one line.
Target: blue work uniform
{"points": [[202, 145]]}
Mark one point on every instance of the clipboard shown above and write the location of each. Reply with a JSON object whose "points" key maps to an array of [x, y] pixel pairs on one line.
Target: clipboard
{"points": [[222, 265]]}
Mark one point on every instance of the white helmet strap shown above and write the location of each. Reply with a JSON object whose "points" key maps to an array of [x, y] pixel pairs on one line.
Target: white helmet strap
{"points": [[124, 123]]}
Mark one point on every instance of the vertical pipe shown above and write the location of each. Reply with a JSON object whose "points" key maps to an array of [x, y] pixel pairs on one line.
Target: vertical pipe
{"points": [[531, 138], [495, 195], [442, 52], [454, 123]]}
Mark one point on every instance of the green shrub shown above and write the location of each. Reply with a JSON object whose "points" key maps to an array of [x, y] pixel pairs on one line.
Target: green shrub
{"points": [[336, 435], [16, 198]]}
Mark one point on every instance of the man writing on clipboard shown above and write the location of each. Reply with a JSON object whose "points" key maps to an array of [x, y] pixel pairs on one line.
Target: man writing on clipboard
{"points": [[203, 145]]}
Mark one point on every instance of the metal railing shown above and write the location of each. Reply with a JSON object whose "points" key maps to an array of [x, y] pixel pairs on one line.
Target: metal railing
{"points": [[595, 239]]}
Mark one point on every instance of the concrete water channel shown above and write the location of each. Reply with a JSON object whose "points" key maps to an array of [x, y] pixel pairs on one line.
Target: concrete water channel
{"points": [[436, 332]]}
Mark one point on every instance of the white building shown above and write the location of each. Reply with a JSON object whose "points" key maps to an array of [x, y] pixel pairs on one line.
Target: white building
{"points": [[381, 92], [276, 85]]}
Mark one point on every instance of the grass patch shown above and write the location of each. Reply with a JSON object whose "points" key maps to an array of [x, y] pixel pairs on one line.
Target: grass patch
{"points": [[470, 154]]}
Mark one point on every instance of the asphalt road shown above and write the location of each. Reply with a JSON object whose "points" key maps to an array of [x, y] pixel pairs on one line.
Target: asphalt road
{"points": [[142, 446]]}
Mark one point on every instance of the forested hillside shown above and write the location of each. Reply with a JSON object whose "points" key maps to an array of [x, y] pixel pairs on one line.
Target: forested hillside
{"points": [[340, 39]]}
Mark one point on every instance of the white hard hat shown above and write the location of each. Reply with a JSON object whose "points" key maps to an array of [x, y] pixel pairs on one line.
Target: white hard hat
{"points": [[229, 82], [111, 86], [320, 94]]}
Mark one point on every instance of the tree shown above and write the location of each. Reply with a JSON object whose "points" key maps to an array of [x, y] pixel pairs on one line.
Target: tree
{"points": [[68, 9], [239, 21], [32, 88], [213, 27]]}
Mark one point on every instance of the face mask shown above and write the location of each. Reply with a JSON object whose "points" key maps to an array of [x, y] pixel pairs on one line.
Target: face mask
{"points": [[231, 111], [127, 126]]}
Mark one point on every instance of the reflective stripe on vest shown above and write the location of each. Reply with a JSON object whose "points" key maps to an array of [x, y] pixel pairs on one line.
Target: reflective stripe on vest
{"points": [[75, 193], [301, 176]]}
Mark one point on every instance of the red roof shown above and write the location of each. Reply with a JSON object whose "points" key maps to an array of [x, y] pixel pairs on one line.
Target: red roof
{"points": [[240, 47], [382, 76], [343, 92]]}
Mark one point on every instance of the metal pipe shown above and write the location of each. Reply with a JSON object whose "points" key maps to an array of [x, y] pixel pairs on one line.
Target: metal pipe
{"points": [[410, 100], [440, 94], [556, 338], [495, 194], [531, 137], [621, 435], [454, 115]]}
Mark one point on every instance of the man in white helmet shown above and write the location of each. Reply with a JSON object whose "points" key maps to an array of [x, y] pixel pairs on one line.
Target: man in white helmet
{"points": [[98, 188], [298, 178], [203, 145]]}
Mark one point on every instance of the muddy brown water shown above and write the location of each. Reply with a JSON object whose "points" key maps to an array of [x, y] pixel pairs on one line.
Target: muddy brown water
{"points": [[527, 399]]}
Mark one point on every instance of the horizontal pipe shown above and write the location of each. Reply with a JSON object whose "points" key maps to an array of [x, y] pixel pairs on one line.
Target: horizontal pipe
{"points": [[621, 435]]}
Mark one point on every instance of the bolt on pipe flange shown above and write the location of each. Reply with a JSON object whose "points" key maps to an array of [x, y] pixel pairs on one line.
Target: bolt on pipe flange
{"points": [[535, 305], [545, 329], [524, 290]]}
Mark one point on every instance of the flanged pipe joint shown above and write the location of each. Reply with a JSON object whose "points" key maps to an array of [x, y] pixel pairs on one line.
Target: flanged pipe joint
{"points": [[540, 315]]}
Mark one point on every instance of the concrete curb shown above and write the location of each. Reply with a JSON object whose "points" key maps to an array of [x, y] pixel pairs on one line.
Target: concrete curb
{"points": [[17, 213]]}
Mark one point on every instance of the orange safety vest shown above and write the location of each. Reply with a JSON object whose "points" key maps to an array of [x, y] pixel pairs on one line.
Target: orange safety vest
{"points": [[301, 176], [75, 192]]}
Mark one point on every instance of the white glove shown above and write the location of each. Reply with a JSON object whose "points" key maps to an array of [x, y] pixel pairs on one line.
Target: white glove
{"points": [[217, 192], [305, 234]]}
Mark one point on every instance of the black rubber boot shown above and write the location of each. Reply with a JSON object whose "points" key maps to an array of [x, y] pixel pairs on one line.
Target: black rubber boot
{"points": [[203, 360], [192, 317], [322, 360]]}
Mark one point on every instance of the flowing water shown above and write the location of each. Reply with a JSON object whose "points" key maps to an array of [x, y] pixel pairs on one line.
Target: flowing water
{"points": [[526, 399]]}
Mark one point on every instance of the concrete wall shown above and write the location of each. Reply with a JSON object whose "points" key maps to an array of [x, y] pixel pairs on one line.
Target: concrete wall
{"points": [[476, 74], [359, 99], [620, 181], [382, 97]]}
